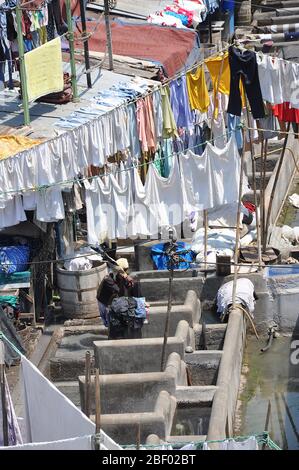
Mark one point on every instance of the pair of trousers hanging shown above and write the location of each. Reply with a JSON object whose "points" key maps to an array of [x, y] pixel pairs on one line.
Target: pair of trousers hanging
{"points": [[243, 66]]}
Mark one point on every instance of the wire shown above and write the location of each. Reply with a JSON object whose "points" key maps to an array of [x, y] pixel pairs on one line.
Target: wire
{"points": [[91, 178]]}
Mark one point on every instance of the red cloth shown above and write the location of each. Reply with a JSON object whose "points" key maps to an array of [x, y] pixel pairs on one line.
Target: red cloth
{"points": [[167, 46], [286, 114], [249, 206]]}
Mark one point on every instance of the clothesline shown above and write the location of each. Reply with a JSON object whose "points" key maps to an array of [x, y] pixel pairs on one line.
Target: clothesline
{"points": [[141, 165], [262, 438], [124, 170]]}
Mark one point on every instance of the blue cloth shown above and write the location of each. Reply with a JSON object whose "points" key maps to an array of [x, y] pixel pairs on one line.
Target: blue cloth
{"points": [[232, 125], [228, 5], [180, 104], [161, 259], [184, 19], [140, 311], [14, 258], [134, 139], [104, 313], [291, 36]]}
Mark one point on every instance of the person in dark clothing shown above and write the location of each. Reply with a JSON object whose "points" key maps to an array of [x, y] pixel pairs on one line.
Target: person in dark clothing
{"points": [[117, 303]]}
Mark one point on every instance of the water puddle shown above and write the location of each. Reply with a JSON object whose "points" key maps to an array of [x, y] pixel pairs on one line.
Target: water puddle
{"points": [[270, 395]]}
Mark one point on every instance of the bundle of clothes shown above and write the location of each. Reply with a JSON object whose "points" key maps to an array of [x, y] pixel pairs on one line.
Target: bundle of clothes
{"points": [[121, 305]]}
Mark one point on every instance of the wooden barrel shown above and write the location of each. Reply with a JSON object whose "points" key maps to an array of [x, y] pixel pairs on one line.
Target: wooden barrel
{"points": [[243, 13], [78, 291]]}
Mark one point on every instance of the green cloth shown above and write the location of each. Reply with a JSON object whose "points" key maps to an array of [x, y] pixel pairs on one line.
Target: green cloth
{"points": [[12, 300], [15, 277]]}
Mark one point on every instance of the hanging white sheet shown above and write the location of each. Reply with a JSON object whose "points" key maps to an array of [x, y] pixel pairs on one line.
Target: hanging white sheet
{"points": [[49, 415], [211, 179]]}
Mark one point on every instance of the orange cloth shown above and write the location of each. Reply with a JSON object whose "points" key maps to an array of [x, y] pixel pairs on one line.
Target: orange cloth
{"points": [[12, 144]]}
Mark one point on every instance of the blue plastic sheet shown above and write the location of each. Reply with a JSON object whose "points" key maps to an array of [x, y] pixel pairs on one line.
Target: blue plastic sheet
{"points": [[161, 259]]}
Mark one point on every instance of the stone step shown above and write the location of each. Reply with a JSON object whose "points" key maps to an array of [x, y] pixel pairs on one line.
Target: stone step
{"points": [[249, 196], [186, 439], [270, 162], [259, 179]]}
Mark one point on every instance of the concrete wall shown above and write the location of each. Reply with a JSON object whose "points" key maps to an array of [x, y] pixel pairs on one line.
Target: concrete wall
{"points": [[225, 399], [155, 284], [123, 428], [287, 172], [214, 336], [144, 355], [128, 393], [283, 303], [190, 312], [203, 366]]}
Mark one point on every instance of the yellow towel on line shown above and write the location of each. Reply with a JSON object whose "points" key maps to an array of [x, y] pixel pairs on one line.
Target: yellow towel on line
{"points": [[44, 72], [12, 144]]}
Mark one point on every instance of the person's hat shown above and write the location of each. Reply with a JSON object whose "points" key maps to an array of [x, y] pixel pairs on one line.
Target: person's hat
{"points": [[123, 263]]}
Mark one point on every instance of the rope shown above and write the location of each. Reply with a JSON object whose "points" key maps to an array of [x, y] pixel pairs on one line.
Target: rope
{"points": [[262, 438], [2, 336]]}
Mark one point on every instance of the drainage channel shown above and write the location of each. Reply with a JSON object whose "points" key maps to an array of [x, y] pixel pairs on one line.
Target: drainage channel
{"points": [[269, 399]]}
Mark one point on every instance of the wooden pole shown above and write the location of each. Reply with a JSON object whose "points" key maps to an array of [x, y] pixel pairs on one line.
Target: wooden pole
{"points": [[86, 47], [238, 223], [72, 49], [3, 395], [98, 402], [205, 215], [108, 34], [87, 384], [267, 420], [281, 423], [166, 331], [138, 436], [258, 232], [275, 185], [264, 163], [262, 186], [22, 66]]}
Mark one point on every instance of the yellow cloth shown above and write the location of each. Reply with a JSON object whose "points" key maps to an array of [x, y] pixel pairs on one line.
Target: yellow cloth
{"points": [[12, 144], [44, 71], [42, 34], [197, 90], [214, 65], [169, 124]]}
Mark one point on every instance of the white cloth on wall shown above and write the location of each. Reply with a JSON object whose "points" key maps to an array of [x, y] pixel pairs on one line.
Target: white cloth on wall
{"points": [[49, 415], [211, 179], [165, 196], [244, 295]]}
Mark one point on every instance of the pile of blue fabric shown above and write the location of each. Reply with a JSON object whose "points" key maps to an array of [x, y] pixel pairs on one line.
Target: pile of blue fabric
{"points": [[161, 258], [14, 258]]}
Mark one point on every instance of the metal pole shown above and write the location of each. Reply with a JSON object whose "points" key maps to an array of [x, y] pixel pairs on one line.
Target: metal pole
{"points": [[22, 66], [264, 160], [87, 383], [108, 34], [3, 395], [86, 47], [72, 49]]}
